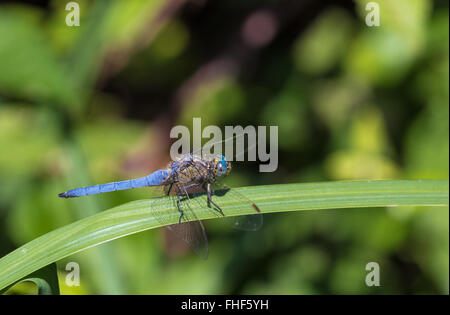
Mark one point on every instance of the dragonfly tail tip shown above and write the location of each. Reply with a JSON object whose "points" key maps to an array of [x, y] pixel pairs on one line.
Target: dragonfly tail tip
{"points": [[63, 195]]}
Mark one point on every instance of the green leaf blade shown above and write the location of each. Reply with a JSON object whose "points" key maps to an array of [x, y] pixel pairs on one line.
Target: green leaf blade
{"points": [[138, 216]]}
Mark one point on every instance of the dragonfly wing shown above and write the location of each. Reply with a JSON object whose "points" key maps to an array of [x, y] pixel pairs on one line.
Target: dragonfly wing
{"points": [[189, 229], [251, 222], [193, 233]]}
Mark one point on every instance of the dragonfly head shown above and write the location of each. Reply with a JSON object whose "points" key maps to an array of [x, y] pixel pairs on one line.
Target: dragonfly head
{"points": [[221, 166]]}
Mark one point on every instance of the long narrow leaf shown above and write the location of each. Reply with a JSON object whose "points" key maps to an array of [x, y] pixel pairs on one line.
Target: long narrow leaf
{"points": [[138, 216], [46, 280]]}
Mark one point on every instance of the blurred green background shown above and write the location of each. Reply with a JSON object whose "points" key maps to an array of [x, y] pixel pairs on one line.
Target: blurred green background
{"points": [[95, 103]]}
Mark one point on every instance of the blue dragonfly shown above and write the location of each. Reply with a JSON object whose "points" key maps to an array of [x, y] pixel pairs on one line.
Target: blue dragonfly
{"points": [[183, 181]]}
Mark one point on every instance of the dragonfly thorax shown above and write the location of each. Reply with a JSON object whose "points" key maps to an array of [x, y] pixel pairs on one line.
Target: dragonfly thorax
{"points": [[192, 168]]}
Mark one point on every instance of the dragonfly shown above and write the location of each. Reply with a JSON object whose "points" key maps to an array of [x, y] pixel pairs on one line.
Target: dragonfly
{"points": [[183, 181]]}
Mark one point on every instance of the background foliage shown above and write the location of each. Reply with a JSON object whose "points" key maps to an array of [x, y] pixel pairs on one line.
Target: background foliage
{"points": [[95, 103]]}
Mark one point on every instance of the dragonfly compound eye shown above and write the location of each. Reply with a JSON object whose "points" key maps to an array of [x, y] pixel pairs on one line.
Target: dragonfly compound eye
{"points": [[221, 165]]}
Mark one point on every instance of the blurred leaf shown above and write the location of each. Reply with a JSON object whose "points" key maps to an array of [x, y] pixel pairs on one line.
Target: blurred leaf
{"points": [[44, 78], [352, 164], [368, 131], [29, 136], [323, 44], [430, 236], [85, 60], [128, 19], [106, 143], [289, 109], [210, 100], [383, 55], [37, 211], [46, 280], [335, 99], [366, 152], [171, 41]]}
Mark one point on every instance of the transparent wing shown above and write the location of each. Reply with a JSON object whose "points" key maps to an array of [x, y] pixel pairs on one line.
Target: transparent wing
{"points": [[197, 198], [193, 233], [189, 229], [251, 222]]}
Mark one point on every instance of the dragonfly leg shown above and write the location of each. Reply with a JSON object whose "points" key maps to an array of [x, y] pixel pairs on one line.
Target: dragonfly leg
{"points": [[170, 188], [189, 187], [180, 208], [208, 189]]}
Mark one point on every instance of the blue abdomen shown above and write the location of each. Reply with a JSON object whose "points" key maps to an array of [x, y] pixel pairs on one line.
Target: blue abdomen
{"points": [[155, 179]]}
